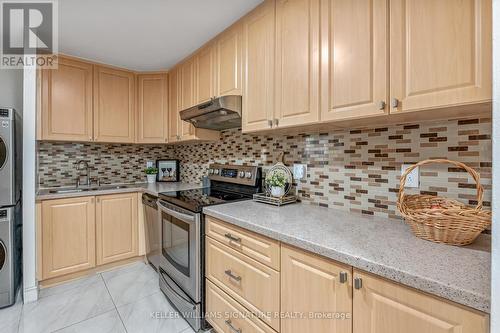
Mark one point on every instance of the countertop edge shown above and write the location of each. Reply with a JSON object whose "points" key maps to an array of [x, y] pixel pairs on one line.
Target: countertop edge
{"points": [[433, 287], [139, 187]]}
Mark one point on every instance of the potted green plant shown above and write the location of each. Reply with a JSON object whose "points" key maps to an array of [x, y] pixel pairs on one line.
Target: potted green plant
{"points": [[151, 173], [277, 183]]}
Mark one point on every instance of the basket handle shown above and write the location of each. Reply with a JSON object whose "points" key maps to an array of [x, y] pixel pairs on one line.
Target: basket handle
{"points": [[471, 171]]}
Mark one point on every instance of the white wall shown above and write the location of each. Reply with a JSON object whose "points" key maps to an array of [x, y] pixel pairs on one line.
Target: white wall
{"points": [[11, 88], [495, 257], [30, 289]]}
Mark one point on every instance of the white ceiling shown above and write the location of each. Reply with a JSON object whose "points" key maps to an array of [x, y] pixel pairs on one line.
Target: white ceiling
{"points": [[145, 35]]}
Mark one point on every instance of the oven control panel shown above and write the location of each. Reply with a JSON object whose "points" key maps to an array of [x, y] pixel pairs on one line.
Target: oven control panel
{"points": [[237, 174]]}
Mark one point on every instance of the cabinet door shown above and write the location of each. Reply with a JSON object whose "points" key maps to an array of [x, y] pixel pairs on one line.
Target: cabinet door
{"points": [[311, 285], [173, 101], [258, 56], [187, 97], [297, 61], [383, 306], [355, 76], [114, 105], [152, 108], [68, 236], [440, 53], [66, 94], [116, 223], [205, 72], [229, 62]]}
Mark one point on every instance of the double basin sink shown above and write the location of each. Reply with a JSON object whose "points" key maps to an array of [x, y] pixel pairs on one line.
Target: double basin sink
{"points": [[93, 188]]}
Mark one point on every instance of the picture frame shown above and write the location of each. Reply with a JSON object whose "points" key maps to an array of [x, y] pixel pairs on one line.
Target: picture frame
{"points": [[168, 170]]}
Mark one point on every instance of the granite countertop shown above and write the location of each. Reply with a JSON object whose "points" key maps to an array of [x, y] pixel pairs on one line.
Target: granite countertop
{"points": [[382, 246], [150, 188]]}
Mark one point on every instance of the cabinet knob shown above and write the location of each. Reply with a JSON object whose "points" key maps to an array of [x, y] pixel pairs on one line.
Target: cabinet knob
{"points": [[270, 123], [343, 277], [394, 103], [358, 283], [381, 105]]}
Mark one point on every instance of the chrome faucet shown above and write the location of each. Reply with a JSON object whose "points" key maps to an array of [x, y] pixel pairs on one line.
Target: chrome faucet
{"points": [[87, 172]]}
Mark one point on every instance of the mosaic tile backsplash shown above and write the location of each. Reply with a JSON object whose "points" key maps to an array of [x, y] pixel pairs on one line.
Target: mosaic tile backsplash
{"points": [[356, 170], [111, 163]]}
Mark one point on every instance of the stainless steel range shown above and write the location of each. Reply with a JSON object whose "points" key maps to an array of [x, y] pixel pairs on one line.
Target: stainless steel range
{"points": [[182, 264]]}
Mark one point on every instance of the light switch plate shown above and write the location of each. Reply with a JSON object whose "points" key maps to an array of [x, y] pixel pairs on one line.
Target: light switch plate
{"points": [[299, 171], [413, 179]]}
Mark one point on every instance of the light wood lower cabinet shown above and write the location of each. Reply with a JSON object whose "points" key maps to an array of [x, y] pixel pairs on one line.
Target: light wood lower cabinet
{"points": [[252, 284], [260, 248], [116, 227], [383, 306], [68, 236], [315, 294], [320, 290], [228, 316]]}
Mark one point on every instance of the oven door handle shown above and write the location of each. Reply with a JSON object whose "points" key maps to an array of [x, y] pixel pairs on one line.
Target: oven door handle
{"points": [[180, 216]]}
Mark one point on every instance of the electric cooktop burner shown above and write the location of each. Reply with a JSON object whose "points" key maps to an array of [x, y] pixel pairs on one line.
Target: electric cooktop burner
{"points": [[195, 200], [228, 183]]}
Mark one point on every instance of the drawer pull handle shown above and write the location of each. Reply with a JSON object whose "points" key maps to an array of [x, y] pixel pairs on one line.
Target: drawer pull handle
{"points": [[231, 237], [232, 276], [230, 324], [343, 277]]}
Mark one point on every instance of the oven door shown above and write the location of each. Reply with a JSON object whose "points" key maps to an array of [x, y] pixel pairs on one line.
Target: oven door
{"points": [[181, 247]]}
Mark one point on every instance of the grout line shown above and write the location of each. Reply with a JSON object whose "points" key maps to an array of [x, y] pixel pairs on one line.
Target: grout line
{"points": [[81, 321], [112, 300]]}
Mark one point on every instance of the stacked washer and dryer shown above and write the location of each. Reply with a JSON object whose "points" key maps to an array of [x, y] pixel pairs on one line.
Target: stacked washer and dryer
{"points": [[10, 207]]}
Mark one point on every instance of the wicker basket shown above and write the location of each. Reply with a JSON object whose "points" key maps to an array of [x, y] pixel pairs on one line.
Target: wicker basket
{"points": [[443, 220]]}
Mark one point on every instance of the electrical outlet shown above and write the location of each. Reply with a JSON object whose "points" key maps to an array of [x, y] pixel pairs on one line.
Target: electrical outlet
{"points": [[299, 171], [413, 179]]}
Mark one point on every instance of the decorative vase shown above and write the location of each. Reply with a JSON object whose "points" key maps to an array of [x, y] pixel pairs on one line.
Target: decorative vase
{"points": [[277, 192], [151, 178]]}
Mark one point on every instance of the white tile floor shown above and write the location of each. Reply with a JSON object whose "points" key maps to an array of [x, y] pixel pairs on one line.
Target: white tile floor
{"points": [[120, 300]]}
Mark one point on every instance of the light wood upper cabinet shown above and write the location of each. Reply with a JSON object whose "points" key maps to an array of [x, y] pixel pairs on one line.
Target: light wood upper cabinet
{"points": [[187, 96], [152, 108], [68, 236], [355, 73], [229, 63], [205, 74], [66, 95], [173, 100], [312, 284], [383, 306], [440, 53], [116, 227], [114, 105], [297, 62], [258, 57]]}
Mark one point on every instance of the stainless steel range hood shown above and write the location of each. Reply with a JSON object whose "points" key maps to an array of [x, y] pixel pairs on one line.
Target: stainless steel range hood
{"points": [[218, 114]]}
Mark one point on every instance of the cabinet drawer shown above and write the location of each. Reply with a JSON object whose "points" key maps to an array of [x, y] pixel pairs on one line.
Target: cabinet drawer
{"points": [[224, 313], [260, 248], [254, 285]]}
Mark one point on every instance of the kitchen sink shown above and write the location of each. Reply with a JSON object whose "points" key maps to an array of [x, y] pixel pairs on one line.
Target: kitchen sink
{"points": [[86, 189], [67, 190]]}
